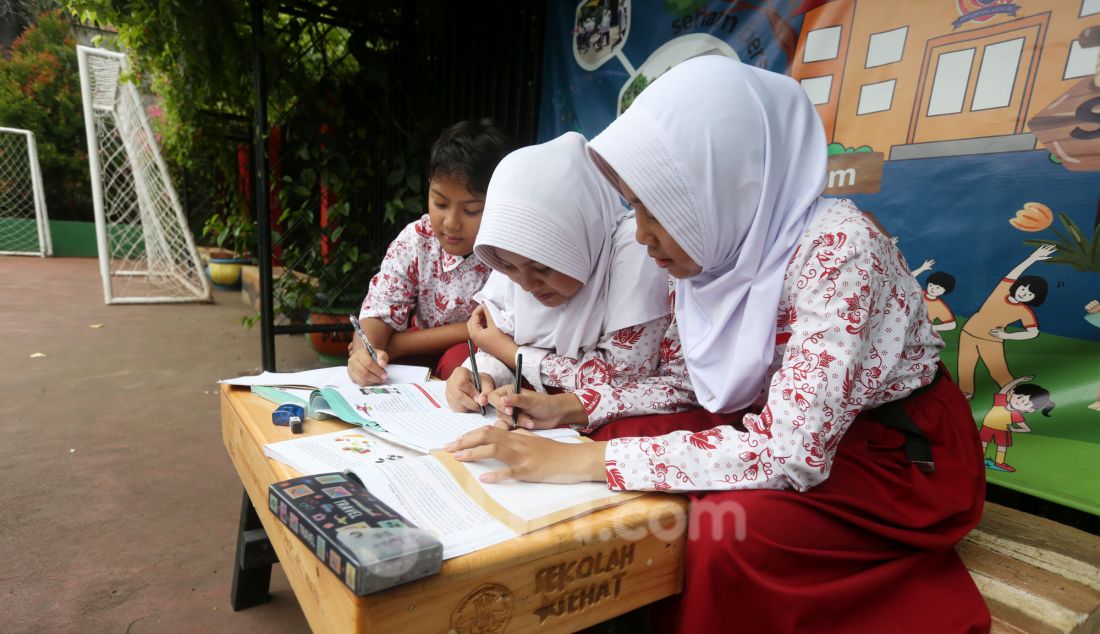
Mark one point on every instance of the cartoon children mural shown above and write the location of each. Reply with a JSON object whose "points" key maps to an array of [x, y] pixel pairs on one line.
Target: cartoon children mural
{"points": [[939, 284], [1010, 404], [984, 334]]}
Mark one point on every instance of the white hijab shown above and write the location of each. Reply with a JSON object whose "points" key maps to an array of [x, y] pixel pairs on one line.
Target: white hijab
{"points": [[730, 159], [548, 203]]}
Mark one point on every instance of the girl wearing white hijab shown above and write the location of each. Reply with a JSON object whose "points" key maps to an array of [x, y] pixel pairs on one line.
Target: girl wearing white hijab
{"points": [[856, 468], [573, 293]]}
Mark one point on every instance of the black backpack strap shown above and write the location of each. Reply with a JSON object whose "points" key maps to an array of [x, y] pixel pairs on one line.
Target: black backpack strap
{"points": [[917, 448]]}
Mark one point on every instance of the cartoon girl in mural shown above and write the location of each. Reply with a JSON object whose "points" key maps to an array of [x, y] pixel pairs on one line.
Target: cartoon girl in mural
{"points": [[1007, 415], [939, 284], [984, 334], [1092, 315]]}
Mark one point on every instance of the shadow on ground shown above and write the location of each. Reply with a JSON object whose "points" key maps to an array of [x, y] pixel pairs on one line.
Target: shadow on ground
{"points": [[120, 503]]}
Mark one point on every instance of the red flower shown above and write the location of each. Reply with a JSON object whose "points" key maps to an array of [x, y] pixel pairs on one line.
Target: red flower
{"points": [[441, 302], [625, 338], [594, 372], [669, 350]]}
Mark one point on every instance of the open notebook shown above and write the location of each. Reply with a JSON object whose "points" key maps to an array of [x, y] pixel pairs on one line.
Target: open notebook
{"points": [[442, 495]]}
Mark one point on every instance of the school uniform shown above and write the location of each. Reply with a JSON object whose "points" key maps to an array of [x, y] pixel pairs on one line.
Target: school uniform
{"points": [[419, 285], [612, 344], [806, 339]]}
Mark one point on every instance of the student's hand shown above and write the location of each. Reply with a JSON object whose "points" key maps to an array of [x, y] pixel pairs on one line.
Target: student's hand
{"points": [[1093, 307], [538, 411], [490, 338], [998, 333], [462, 396], [363, 370], [531, 458], [928, 264]]}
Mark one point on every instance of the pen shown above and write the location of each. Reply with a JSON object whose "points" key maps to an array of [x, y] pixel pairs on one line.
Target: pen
{"points": [[363, 337], [519, 377], [477, 377]]}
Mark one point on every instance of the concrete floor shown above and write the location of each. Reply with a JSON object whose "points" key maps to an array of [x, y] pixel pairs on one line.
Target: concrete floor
{"points": [[120, 506]]}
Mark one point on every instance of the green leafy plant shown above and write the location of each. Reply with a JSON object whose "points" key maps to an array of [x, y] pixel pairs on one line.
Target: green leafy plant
{"points": [[40, 92], [1075, 248], [234, 233]]}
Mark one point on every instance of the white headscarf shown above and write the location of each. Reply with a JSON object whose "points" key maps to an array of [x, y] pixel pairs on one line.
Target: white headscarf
{"points": [[548, 203], [730, 159]]}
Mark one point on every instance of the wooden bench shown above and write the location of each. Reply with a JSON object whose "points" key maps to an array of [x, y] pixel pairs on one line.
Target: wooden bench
{"points": [[1036, 575]]}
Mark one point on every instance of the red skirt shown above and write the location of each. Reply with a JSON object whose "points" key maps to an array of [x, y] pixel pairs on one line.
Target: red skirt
{"points": [[871, 549]]}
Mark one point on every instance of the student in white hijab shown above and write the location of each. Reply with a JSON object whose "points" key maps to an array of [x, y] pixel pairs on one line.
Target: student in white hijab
{"points": [[571, 291], [857, 467]]}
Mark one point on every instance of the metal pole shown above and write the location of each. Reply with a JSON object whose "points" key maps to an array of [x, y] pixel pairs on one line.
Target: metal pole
{"points": [[95, 171], [259, 199]]}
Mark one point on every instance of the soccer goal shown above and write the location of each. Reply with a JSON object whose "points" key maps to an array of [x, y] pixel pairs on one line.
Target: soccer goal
{"points": [[24, 227], [146, 251]]}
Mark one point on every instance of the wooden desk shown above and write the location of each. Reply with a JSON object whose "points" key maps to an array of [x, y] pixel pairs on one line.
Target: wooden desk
{"points": [[562, 578]]}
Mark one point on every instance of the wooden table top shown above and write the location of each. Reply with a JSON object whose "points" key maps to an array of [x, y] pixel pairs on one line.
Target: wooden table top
{"points": [[561, 578]]}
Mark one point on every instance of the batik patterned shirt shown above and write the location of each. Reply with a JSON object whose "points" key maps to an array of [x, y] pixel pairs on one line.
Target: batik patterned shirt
{"points": [[852, 333], [632, 371], [421, 281]]}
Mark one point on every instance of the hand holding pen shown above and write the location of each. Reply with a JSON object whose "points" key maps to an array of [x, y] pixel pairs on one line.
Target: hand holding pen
{"points": [[519, 379], [477, 376], [361, 370]]}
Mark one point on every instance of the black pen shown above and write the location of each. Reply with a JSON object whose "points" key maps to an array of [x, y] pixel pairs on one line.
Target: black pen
{"points": [[477, 377], [519, 377]]}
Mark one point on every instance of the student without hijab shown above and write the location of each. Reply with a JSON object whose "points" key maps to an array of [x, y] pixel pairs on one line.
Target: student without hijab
{"points": [[574, 294], [797, 308]]}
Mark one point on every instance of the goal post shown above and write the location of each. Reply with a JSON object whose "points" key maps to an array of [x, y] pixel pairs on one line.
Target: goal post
{"points": [[146, 251], [24, 224]]}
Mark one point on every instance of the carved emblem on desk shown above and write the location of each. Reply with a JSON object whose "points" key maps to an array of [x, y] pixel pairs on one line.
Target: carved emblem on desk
{"points": [[486, 610]]}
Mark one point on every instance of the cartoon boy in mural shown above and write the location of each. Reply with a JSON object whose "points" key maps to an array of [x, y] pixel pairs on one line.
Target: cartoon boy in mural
{"points": [[984, 334], [1007, 415], [939, 284], [1092, 315]]}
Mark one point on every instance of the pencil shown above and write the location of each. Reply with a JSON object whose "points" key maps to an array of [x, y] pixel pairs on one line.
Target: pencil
{"points": [[477, 377], [519, 377]]}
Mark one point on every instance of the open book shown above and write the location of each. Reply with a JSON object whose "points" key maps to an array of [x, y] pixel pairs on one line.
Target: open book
{"points": [[336, 376], [442, 495], [414, 415]]}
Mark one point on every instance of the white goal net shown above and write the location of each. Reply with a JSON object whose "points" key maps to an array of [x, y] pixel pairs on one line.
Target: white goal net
{"points": [[24, 227], [146, 252]]}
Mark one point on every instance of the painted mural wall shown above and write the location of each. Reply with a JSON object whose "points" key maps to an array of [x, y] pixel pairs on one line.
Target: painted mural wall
{"points": [[970, 129]]}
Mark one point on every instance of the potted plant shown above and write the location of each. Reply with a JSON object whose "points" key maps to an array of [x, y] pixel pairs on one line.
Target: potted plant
{"points": [[232, 236]]}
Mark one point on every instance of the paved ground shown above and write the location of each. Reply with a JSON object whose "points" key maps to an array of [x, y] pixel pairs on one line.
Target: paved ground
{"points": [[120, 504]]}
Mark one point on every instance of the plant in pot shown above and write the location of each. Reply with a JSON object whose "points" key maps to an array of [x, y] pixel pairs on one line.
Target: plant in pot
{"points": [[342, 281], [233, 236]]}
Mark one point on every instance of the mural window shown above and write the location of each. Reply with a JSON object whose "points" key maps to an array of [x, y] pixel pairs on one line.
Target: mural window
{"points": [[1081, 61], [822, 44], [1090, 7], [818, 88], [876, 97], [886, 47], [949, 85], [997, 74]]}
